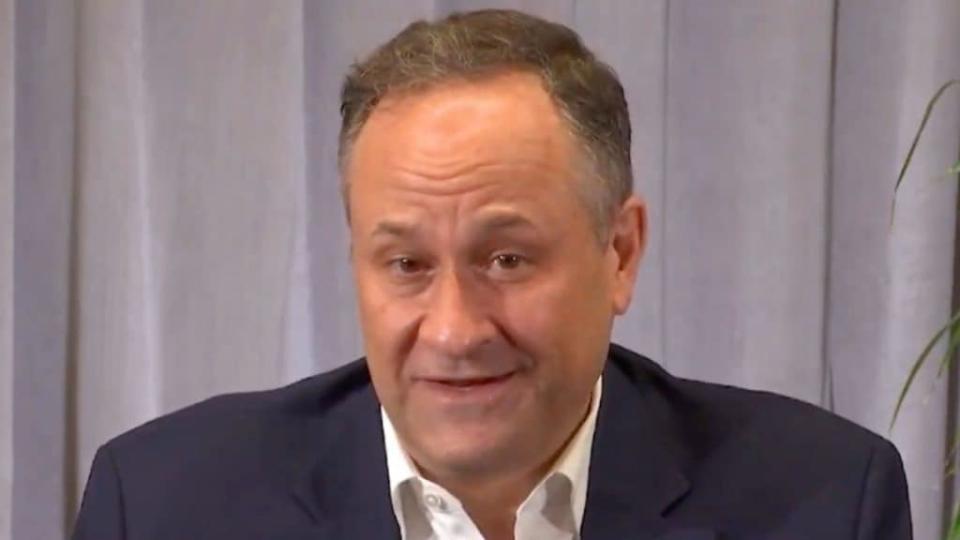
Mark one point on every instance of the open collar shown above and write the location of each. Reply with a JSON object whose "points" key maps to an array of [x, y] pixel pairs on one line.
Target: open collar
{"points": [[572, 465], [636, 467]]}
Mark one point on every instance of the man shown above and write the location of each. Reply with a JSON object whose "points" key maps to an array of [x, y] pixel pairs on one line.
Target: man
{"points": [[487, 180]]}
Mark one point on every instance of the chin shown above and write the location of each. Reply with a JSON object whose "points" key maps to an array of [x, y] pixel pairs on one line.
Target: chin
{"points": [[471, 452]]}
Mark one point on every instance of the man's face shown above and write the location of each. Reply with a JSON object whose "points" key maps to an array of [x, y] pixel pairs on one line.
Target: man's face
{"points": [[486, 298]]}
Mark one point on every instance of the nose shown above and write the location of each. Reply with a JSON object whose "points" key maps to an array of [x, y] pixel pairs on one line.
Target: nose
{"points": [[456, 323]]}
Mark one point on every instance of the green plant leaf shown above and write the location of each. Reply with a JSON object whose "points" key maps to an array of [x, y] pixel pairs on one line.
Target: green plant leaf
{"points": [[955, 169], [918, 363], [916, 140], [952, 345], [954, 533], [950, 462]]}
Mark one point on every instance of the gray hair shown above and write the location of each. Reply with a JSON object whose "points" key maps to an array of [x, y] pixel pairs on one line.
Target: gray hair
{"points": [[586, 91]]}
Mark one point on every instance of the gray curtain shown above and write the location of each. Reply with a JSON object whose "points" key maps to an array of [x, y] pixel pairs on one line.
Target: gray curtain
{"points": [[170, 225], [6, 265]]}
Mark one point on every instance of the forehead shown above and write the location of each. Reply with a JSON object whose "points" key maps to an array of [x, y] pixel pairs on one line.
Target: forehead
{"points": [[460, 127]]}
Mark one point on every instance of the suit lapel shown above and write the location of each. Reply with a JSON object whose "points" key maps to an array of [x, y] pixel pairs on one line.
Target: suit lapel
{"points": [[345, 489], [636, 464]]}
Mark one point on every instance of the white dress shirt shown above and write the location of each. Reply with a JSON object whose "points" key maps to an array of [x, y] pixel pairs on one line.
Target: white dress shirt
{"points": [[552, 511]]}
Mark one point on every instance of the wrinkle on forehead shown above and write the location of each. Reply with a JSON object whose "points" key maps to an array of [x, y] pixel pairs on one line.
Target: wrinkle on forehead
{"points": [[474, 204]]}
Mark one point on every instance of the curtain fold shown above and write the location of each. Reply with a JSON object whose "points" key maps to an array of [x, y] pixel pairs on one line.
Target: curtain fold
{"points": [[43, 162], [748, 94], [6, 265], [114, 351], [171, 226]]}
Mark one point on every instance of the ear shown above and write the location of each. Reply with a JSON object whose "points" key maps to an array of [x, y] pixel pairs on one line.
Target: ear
{"points": [[628, 240]]}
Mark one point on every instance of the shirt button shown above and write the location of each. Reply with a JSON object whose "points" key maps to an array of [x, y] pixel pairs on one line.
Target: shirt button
{"points": [[435, 502]]}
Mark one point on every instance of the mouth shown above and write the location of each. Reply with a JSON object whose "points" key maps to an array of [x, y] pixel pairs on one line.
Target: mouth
{"points": [[474, 381], [487, 387]]}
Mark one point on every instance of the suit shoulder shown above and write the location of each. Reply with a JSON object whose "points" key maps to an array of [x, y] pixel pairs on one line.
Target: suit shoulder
{"points": [[241, 412], [720, 411], [762, 462], [784, 420]]}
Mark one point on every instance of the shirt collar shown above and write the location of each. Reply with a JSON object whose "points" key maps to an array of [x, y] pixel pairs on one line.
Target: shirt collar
{"points": [[573, 463]]}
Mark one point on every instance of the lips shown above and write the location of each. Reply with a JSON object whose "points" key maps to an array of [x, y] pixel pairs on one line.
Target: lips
{"points": [[472, 381], [471, 395]]}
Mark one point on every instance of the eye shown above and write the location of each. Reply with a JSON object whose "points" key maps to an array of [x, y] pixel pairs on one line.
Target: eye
{"points": [[508, 261], [406, 266], [511, 267]]}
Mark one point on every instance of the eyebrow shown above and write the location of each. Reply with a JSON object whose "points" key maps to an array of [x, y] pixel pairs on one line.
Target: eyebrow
{"points": [[506, 221], [395, 228]]}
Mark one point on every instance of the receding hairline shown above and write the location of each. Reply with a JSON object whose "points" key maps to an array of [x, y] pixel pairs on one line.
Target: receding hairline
{"points": [[583, 168], [403, 95], [468, 45]]}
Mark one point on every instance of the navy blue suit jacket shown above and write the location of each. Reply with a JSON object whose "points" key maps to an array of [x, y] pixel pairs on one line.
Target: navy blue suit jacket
{"points": [[672, 459]]}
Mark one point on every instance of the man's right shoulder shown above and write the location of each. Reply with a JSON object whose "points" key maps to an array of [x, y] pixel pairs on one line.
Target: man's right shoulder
{"points": [[192, 473], [228, 420]]}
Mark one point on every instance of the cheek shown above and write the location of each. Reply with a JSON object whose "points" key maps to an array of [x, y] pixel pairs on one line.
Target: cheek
{"points": [[382, 316], [560, 321], [386, 326]]}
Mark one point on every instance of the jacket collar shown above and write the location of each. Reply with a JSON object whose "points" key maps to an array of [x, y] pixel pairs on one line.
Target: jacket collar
{"points": [[345, 489], [636, 465]]}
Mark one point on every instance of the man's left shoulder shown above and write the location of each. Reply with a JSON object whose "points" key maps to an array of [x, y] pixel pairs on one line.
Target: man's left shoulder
{"points": [[764, 430], [764, 463]]}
